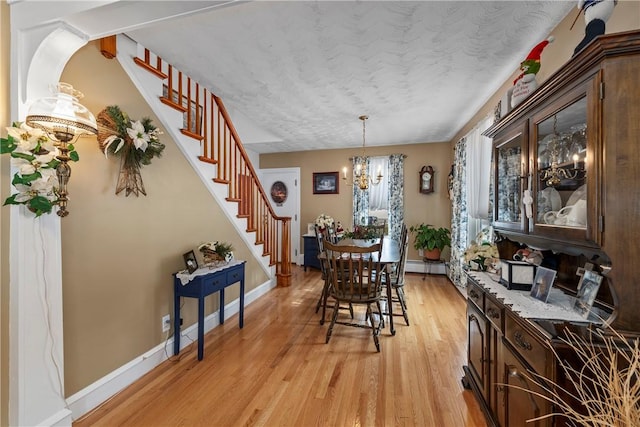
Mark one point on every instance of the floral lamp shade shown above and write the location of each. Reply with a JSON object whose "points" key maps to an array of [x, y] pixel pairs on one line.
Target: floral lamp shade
{"points": [[62, 113]]}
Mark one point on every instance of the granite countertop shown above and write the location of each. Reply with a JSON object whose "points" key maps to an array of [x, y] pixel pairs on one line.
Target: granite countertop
{"points": [[559, 306]]}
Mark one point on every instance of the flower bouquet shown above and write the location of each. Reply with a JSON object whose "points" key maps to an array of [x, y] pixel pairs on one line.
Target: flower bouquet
{"points": [[34, 155], [136, 142], [324, 221], [216, 253], [481, 256]]}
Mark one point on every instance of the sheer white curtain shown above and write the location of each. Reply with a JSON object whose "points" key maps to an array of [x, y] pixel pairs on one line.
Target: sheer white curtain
{"points": [[479, 149], [478, 170], [379, 194]]}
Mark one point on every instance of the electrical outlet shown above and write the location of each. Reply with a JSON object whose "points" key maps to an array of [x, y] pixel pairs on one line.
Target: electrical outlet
{"points": [[166, 323]]}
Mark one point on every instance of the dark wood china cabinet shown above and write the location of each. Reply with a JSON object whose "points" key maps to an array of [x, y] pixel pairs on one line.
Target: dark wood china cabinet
{"points": [[573, 149]]}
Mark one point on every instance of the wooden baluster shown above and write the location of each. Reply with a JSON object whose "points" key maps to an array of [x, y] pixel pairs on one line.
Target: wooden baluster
{"points": [[146, 64], [233, 169]]}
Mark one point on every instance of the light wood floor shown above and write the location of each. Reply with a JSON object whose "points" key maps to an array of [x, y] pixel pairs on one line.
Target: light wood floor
{"points": [[278, 371]]}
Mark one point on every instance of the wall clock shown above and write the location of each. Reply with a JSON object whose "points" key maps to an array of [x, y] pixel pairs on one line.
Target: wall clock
{"points": [[426, 179]]}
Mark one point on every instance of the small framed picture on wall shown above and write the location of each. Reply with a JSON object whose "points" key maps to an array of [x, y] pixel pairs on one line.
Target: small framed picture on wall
{"points": [[325, 183]]}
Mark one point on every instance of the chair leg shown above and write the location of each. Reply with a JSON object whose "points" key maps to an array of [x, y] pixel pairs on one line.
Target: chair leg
{"points": [[374, 331], [323, 300], [336, 307], [403, 304]]}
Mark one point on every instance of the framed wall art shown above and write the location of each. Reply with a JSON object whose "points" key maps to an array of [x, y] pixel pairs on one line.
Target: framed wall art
{"points": [[325, 182], [279, 193]]}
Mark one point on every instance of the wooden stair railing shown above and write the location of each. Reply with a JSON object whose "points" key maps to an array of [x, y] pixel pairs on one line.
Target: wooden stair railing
{"points": [[206, 119]]}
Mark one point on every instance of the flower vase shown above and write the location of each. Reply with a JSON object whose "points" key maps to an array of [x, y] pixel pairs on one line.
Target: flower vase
{"points": [[129, 178]]}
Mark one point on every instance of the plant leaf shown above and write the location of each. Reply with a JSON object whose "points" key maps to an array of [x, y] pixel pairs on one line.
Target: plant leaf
{"points": [[25, 156], [7, 145], [40, 204], [25, 179], [11, 200]]}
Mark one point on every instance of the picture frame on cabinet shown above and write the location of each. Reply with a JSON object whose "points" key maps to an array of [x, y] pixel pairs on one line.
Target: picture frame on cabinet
{"points": [[311, 229], [542, 283], [587, 293], [190, 261]]}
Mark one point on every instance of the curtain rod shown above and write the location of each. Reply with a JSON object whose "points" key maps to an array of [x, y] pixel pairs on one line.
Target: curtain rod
{"points": [[404, 156]]}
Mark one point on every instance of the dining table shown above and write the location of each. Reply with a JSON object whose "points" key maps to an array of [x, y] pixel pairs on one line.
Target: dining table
{"points": [[389, 256]]}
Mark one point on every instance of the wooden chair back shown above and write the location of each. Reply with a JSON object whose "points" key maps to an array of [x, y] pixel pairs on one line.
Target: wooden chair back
{"points": [[355, 272]]}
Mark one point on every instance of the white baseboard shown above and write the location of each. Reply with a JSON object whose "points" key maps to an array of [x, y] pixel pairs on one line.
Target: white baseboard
{"points": [[417, 266], [102, 390]]}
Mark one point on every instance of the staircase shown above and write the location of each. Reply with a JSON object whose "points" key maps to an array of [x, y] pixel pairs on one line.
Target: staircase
{"points": [[201, 127]]}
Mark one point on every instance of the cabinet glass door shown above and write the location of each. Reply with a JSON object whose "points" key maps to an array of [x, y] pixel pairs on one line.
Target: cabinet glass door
{"points": [[562, 168], [509, 158]]}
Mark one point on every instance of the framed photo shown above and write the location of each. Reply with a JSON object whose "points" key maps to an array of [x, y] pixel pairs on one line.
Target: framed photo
{"points": [[587, 292], [542, 283], [325, 182], [311, 228], [194, 126], [190, 261], [580, 272]]}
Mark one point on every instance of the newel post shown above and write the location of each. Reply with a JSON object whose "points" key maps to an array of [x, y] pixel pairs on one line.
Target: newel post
{"points": [[284, 266]]}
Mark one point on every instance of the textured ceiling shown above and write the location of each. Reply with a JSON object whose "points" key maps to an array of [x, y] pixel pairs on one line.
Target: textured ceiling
{"points": [[296, 75]]}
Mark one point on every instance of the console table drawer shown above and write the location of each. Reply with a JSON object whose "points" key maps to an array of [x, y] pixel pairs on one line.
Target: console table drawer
{"points": [[235, 275], [530, 348]]}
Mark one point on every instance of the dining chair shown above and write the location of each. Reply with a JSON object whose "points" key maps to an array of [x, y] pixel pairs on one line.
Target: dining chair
{"points": [[355, 278], [321, 237], [396, 278], [332, 235], [379, 225]]}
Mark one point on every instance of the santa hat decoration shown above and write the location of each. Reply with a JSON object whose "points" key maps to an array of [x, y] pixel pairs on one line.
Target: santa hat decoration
{"points": [[535, 53]]}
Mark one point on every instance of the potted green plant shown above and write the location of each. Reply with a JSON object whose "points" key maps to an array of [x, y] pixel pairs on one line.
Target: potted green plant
{"points": [[430, 240]]}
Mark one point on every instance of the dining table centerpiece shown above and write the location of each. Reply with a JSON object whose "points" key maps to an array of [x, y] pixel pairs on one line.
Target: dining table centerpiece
{"points": [[363, 235]]}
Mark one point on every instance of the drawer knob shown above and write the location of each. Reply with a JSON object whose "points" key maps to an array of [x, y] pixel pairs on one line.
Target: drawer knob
{"points": [[521, 342], [473, 294]]}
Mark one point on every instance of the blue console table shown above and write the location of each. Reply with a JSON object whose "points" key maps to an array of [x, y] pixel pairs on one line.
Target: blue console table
{"points": [[202, 282]]}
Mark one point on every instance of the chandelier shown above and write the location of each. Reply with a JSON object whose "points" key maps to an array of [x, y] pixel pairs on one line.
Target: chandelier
{"points": [[557, 172], [362, 178]]}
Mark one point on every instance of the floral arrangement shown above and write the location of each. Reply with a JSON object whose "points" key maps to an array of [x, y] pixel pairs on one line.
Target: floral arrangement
{"points": [[362, 232], [481, 254], [34, 155], [136, 142], [324, 221], [216, 251]]}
